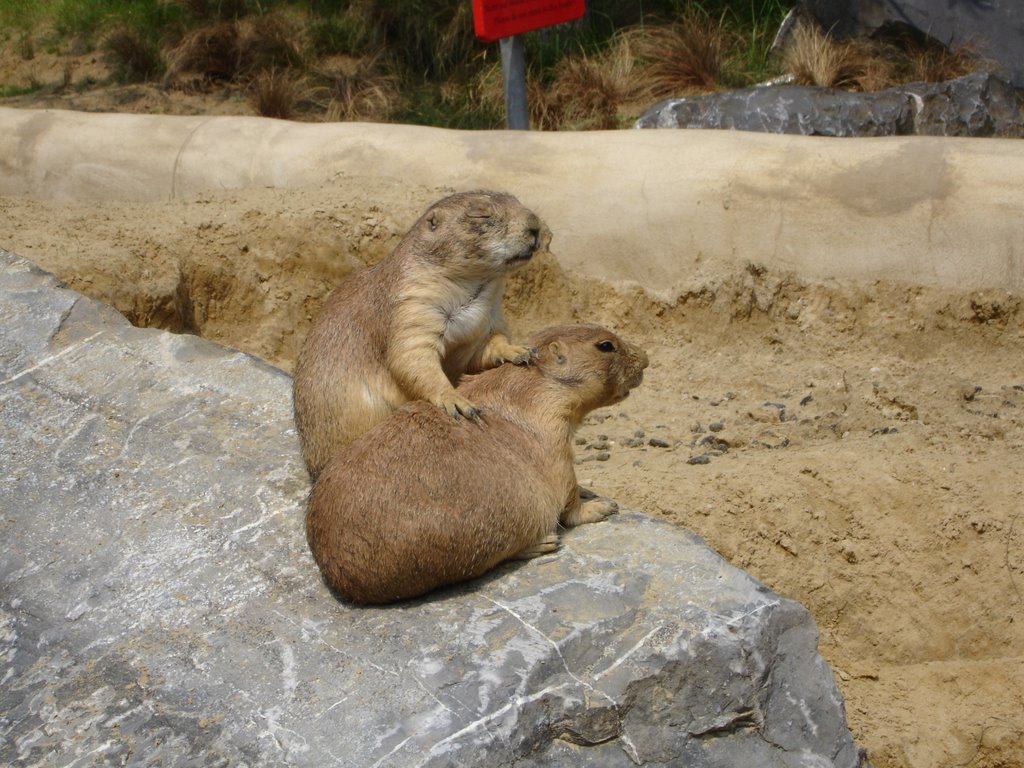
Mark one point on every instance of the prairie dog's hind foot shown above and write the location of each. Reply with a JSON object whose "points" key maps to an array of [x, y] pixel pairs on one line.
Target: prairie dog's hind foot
{"points": [[592, 510], [545, 546]]}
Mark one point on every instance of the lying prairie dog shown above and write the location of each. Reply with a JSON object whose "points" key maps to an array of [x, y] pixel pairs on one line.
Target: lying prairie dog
{"points": [[422, 500]]}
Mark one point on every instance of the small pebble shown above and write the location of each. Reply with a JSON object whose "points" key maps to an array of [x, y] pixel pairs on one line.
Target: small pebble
{"points": [[766, 414], [716, 426], [657, 442], [849, 551], [639, 433], [970, 392], [714, 443], [599, 445], [787, 544], [701, 459], [769, 439], [602, 456]]}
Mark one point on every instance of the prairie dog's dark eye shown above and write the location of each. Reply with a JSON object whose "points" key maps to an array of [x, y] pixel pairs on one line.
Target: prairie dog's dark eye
{"points": [[605, 346]]}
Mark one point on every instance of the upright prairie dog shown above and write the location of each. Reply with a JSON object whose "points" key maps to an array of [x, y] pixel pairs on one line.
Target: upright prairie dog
{"points": [[410, 326], [423, 500]]}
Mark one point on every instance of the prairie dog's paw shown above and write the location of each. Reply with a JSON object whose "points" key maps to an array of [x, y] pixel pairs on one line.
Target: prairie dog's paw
{"points": [[590, 511], [523, 356], [545, 546], [456, 406], [510, 353]]}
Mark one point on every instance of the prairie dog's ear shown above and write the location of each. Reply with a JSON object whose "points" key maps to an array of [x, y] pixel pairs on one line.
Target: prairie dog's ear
{"points": [[558, 350], [433, 220], [480, 210]]}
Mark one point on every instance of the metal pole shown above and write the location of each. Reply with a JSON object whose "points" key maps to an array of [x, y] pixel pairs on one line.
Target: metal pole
{"points": [[513, 70]]}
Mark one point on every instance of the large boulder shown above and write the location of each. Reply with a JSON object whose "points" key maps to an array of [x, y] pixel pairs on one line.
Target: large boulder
{"points": [[158, 604], [993, 28], [979, 104]]}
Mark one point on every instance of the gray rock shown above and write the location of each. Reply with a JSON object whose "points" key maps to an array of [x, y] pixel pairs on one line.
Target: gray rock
{"points": [[979, 104], [795, 109], [158, 604], [993, 28]]}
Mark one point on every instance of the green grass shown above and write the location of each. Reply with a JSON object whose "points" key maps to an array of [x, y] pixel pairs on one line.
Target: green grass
{"points": [[22, 14], [10, 91], [333, 34], [426, 105], [755, 24], [428, 45]]}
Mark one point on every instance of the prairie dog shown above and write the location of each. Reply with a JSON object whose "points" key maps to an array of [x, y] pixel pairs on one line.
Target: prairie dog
{"points": [[411, 325], [423, 500]]}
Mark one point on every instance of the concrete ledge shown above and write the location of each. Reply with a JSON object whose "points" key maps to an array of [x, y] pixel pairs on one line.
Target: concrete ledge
{"points": [[652, 208]]}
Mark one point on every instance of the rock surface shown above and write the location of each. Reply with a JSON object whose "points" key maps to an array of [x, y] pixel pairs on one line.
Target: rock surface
{"points": [[975, 105], [158, 604], [993, 28]]}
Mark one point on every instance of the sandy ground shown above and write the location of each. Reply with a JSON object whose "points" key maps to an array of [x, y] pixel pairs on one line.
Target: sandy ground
{"points": [[859, 448]]}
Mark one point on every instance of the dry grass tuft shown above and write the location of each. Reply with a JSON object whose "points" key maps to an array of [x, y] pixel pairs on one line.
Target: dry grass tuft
{"points": [[357, 89], [589, 93], [68, 75], [133, 58], [487, 89], [26, 46], [237, 51], [584, 93], [815, 58], [274, 94], [933, 62], [269, 41], [686, 57], [213, 51]]}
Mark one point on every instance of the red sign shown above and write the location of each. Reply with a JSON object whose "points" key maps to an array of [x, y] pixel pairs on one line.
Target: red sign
{"points": [[495, 19]]}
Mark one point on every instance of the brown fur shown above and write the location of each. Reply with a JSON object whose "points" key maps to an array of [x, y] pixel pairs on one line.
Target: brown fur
{"points": [[422, 500], [410, 326]]}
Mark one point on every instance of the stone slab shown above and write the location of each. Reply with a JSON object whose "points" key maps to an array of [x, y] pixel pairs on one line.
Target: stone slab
{"points": [[977, 105]]}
